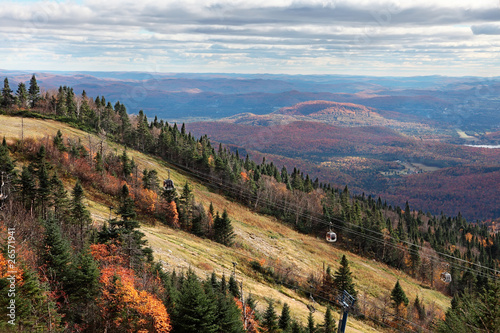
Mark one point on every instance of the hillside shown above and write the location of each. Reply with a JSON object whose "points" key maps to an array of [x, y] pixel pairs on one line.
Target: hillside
{"points": [[258, 237]]}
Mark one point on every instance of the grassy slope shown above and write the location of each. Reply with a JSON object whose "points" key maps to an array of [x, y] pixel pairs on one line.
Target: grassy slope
{"points": [[257, 236]]}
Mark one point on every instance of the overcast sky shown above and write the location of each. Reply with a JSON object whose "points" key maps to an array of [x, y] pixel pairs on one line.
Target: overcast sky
{"points": [[375, 37]]}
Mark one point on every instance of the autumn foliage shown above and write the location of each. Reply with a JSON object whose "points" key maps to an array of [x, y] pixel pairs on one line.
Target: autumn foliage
{"points": [[122, 305]]}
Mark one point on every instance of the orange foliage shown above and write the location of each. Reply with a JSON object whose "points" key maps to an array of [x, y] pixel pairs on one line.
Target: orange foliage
{"points": [[146, 200], [121, 304], [107, 254], [244, 176], [172, 214], [8, 267], [250, 324], [468, 237]]}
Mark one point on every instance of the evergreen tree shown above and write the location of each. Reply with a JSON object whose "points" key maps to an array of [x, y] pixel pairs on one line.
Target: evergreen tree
{"points": [[329, 323], [233, 287], [474, 312], [310, 324], [126, 164], [398, 298], [28, 187], [285, 319], [223, 230], [59, 198], [228, 316], [33, 91], [194, 312], [22, 96], [82, 288], [7, 97], [296, 327], [6, 163], [127, 231], [127, 206], [80, 216], [44, 189], [35, 312], [59, 142], [270, 320], [56, 254], [343, 278]]}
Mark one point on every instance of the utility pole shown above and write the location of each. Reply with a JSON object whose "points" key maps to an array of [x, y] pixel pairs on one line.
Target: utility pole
{"points": [[347, 302]]}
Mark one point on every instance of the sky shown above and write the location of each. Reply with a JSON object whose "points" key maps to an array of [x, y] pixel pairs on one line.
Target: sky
{"points": [[358, 37]]}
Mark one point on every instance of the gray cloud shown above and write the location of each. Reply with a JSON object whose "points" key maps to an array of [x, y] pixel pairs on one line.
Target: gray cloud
{"points": [[233, 35], [486, 29]]}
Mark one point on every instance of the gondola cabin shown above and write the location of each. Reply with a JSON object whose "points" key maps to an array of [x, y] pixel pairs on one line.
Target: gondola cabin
{"points": [[168, 185], [331, 237], [446, 277]]}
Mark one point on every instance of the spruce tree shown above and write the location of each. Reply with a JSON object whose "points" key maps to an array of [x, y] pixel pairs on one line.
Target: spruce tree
{"points": [[398, 298], [285, 319], [310, 324], [33, 91], [80, 216], [223, 230], [194, 312], [133, 240], [6, 164], [22, 96], [296, 327], [7, 97], [329, 323], [270, 319], [28, 187], [228, 318], [59, 142], [59, 198], [233, 287], [57, 254], [343, 278]]}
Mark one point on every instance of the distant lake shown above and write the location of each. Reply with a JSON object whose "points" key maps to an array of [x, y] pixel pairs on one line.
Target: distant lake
{"points": [[484, 146]]}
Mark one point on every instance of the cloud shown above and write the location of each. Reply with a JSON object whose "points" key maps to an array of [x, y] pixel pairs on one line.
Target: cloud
{"points": [[299, 33], [486, 29]]}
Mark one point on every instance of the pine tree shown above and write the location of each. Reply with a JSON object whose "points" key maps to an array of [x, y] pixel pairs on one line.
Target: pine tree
{"points": [[310, 324], [296, 327], [270, 320], [7, 97], [56, 254], [59, 142], [343, 278], [6, 163], [285, 319], [228, 315], [22, 96], [398, 298], [233, 287], [194, 312], [33, 91], [223, 230], [59, 198], [80, 216], [329, 323], [28, 187]]}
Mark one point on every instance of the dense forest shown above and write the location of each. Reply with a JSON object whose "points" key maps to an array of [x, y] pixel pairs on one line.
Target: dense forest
{"points": [[126, 290]]}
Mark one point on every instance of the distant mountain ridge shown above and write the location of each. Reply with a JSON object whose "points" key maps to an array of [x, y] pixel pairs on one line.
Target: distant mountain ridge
{"points": [[318, 108]]}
